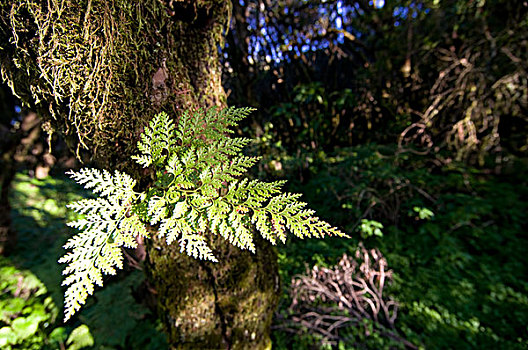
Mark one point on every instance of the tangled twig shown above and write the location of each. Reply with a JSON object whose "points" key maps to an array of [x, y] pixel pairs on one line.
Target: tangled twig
{"points": [[326, 301]]}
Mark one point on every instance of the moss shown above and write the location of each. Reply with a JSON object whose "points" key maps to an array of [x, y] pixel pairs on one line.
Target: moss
{"points": [[227, 304], [88, 66], [97, 71], [248, 289]]}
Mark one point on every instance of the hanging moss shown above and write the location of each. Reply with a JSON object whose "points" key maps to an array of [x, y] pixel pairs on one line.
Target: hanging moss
{"points": [[97, 70]]}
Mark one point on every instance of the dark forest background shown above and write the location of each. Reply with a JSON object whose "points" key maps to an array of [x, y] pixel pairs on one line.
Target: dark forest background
{"points": [[404, 122]]}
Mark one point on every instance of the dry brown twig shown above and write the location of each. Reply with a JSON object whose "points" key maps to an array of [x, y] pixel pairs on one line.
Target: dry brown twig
{"points": [[325, 301]]}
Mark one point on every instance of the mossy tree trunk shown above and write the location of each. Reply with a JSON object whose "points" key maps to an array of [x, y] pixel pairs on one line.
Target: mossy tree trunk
{"points": [[97, 71]]}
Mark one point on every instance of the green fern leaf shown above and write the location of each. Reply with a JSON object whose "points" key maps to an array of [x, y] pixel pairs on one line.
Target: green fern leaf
{"points": [[194, 245], [157, 209], [156, 141], [107, 226], [198, 191]]}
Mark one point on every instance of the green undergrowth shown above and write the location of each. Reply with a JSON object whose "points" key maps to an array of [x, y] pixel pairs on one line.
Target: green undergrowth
{"points": [[30, 281], [455, 238]]}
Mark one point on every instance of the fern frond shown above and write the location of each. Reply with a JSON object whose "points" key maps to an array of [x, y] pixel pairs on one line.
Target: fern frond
{"points": [[177, 224], [174, 165], [156, 141], [208, 124], [231, 116], [130, 228], [118, 185], [144, 160], [157, 209], [107, 226], [242, 235], [220, 151], [186, 128], [227, 172], [92, 255], [198, 190], [91, 206], [79, 289], [189, 158], [194, 245], [230, 147], [274, 212], [252, 193], [239, 165]]}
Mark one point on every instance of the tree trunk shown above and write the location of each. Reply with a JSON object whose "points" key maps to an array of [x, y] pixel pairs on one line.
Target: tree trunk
{"points": [[206, 305], [97, 71]]}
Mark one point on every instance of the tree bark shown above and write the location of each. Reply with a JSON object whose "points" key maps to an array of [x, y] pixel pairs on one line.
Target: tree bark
{"points": [[97, 71], [228, 304]]}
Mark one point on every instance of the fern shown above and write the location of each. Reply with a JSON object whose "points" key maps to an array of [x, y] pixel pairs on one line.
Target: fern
{"points": [[107, 226], [157, 138], [197, 191]]}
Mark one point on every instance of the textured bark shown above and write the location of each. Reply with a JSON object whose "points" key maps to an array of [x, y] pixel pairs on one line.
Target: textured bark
{"points": [[229, 304], [205, 305], [140, 58]]}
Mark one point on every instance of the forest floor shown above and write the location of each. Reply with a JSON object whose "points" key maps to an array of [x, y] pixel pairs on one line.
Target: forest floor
{"points": [[456, 240]]}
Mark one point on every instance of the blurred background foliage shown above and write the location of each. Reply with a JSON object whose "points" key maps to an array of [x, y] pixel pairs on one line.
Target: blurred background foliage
{"points": [[403, 122], [31, 282]]}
